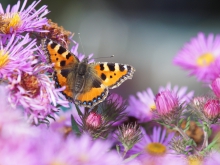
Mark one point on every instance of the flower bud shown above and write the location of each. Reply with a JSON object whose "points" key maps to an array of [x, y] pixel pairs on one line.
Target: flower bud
{"points": [[212, 109], [129, 135], [94, 120], [166, 102]]}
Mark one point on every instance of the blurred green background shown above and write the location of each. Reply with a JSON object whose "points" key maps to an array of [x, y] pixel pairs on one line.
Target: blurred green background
{"points": [[146, 34]]}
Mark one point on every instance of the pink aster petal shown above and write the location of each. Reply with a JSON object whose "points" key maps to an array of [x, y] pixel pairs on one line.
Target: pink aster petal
{"points": [[30, 18], [187, 57]]}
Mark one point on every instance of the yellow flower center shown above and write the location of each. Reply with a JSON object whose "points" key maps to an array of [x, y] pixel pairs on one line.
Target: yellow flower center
{"points": [[195, 160], [153, 107], [205, 59], [83, 158], [8, 21], [3, 58], [155, 149], [57, 163]]}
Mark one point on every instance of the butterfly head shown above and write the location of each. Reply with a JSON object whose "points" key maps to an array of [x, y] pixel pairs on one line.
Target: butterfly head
{"points": [[85, 60]]}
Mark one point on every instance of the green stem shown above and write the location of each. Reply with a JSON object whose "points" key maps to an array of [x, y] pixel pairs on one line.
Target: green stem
{"points": [[186, 137], [205, 141]]}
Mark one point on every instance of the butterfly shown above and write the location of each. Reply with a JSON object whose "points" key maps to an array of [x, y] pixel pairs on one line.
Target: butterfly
{"points": [[87, 84]]}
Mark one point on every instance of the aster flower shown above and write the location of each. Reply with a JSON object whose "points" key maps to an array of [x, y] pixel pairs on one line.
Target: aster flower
{"points": [[99, 122], [216, 87], [62, 122], [143, 106], [152, 148], [205, 109], [179, 145], [181, 93], [56, 33], [128, 135], [22, 150], [166, 103], [81, 151], [212, 158], [15, 20], [11, 119], [16, 57], [200, 56], [37, 94], [212, 109]]}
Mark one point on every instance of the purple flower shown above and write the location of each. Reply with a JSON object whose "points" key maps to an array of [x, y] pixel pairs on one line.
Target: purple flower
{"points": [[183, 97], [15, 20], [166, 102], [81, 150], [62, 122], [12, 122], [152, 148], [212, 109], [212, 158], [201, 57], [16, 57], [37, 94], [216, 87], [94, 120], [142, 107]]}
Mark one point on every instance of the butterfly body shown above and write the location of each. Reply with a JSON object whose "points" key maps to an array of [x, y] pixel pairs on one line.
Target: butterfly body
{"points": [[86, 83]]}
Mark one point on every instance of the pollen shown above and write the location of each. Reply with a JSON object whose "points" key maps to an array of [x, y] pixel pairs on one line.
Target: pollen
{"points": [[155, 149], [57, 163], [205, 60], [153, 107], [31, 84], [9, 21], [3, 58], [195, 160]]}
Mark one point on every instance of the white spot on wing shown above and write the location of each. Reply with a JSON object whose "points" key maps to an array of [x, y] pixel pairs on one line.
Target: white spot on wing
{"points": [[116, 67]]}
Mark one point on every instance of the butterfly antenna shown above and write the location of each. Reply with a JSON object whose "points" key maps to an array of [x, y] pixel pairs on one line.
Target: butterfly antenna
{"points": [[80, 41], [105, 57]]}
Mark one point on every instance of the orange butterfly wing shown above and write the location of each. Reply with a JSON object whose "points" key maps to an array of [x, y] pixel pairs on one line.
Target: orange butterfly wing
{"points": [[99, 77], [63, 60], [104, 75]]}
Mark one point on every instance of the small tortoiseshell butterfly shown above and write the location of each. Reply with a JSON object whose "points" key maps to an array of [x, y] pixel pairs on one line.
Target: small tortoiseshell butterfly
{"points": [[86, 83]]}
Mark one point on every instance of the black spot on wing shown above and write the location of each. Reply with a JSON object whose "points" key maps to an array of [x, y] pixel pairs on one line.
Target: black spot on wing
{"points": [[53, 45], [103, 76], [102, 67], [64, 72], [96, 84], [68, 56], [61, 50], [111, 66], [129, 67], [62, 63], [121, 67]]}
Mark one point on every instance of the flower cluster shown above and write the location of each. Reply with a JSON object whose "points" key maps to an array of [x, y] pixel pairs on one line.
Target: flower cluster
{"points": [[39, 126]]}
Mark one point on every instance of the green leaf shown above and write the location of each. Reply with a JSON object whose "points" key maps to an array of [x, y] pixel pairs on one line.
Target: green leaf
{"points": [[214, 143], [131, 157], [74, 126], [180, 122], [190, 142], [198, 124], [78, 110], [160, 122]]}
